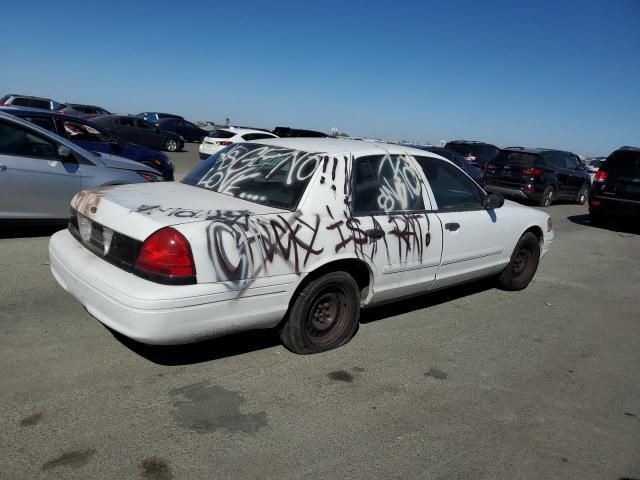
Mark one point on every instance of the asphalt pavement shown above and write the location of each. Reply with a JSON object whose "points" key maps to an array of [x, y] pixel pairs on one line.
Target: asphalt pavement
{"points": [[469, 383]]}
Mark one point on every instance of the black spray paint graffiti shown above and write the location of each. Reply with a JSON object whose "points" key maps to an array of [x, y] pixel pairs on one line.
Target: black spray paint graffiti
{"points": [[246, 162], [241, 251]]}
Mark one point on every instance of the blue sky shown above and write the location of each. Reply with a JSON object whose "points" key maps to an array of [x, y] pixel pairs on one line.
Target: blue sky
{"points": [[562, 74]]}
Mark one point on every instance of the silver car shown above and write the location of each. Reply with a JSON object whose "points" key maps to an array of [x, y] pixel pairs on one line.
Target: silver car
{"points": [[40, 172]]}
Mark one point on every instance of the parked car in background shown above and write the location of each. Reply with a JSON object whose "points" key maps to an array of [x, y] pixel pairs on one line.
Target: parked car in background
{"points": [[538, 175], [87, 111], [293, 232], [220, 138], [189, 131], [593, 165], [40, 172], [286, 132], [94, 138], [477, 153], [455, 158], [153, 117], [137, 130], [16, 100], [615, 193]]}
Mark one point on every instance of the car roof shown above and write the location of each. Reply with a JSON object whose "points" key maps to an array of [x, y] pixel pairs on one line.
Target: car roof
{"points": [[469, 142], [28, 96], [242, 130], [335, 146], [40, 112], [534, 151]]}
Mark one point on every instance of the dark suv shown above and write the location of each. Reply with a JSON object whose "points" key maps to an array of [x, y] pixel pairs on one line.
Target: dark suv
{"points": [[477, 153], [616, 187], [538, 174]]}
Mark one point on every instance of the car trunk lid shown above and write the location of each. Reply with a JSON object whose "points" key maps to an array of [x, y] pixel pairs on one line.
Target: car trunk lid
{"points": [[139, 210]]}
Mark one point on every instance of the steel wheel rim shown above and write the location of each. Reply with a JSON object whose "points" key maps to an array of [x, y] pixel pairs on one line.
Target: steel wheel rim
{"points": [[522, 261], [328, 315]]}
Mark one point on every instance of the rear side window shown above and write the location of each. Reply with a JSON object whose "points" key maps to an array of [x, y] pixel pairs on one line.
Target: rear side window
{"points": [[44, 122], [386, 184], [20, 102], [16, 140], [555, 160], [221, 134], [145, 125], [256, 136], [452, 189], [624, 161], [519, 159]]}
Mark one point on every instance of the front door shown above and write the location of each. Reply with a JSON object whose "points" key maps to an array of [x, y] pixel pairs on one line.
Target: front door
{"points": [[34, 182], [390, 210], [473, 237]]}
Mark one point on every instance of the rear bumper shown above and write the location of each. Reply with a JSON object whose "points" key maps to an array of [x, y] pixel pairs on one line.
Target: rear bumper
{"points": [[614, 207], [160, 314]]}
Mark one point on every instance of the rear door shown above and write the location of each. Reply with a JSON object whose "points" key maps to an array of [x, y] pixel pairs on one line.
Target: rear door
{"points": [[124, 128], [473, 237], [393, 226], [558, 163], [34, 183]]}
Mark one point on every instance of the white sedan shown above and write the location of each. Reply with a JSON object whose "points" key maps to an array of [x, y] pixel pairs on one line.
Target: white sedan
{"points": [[297, 234], [223, 137]]}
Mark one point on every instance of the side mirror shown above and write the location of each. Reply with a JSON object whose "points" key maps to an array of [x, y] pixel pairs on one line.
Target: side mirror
{"points": [[64, 153], [494, 200]]}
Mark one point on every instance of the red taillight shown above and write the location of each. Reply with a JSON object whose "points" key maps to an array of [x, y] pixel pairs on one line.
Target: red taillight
{"points": [[166, 253], [224, 143], [601, 176], [595, 203], [534, 172]]}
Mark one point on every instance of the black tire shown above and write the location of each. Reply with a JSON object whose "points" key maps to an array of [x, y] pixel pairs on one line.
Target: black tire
{"points": [[547, 197], [171, 145], [523, 264], [583, 195], [324, 315]]}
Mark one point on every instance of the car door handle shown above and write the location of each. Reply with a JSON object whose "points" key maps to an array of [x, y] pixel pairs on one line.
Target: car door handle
{"points": [[452, 226], [3, 167], [374, 233]]}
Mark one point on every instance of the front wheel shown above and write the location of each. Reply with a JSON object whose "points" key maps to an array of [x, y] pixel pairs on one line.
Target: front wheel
{"points": [[324, 315], [583, 194], [171, 145], [523, 264]]}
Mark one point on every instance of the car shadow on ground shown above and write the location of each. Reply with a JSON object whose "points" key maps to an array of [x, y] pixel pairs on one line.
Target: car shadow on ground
{"points": [[614, 226], [27, 230], [246, 342]]}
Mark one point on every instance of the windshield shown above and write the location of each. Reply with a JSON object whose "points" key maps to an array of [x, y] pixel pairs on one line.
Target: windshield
{"points": [[268, 175]]}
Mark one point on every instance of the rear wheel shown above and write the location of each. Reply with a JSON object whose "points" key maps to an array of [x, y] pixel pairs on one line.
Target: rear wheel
{"points": [[583, 194], [547, 197], [324, 315], [523, 264], [171, 145]]}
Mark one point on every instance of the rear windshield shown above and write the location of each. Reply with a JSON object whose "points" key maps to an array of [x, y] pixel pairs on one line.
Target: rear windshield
{"points": [[221, 134], [268, 175], [465, 149], [519, 159], [624, 160]]}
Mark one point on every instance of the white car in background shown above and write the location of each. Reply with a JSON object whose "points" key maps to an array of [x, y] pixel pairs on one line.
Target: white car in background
{"points": [[223, 137], [296, 233]]}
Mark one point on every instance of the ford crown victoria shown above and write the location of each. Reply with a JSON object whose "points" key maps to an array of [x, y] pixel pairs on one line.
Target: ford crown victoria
{"points": [[298, 234]]}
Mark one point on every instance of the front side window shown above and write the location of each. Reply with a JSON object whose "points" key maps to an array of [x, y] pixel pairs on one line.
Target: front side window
{"points": [[145, 125], [16, 140], [386, 184], [268, 175], [125, 121], [452, 189], [221, 134]]}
